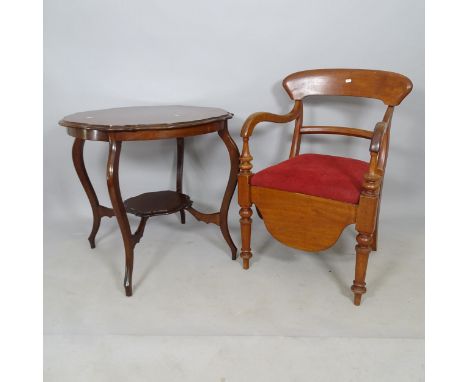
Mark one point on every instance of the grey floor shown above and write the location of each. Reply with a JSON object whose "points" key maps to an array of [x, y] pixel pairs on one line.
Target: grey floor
{"points": [[197, 316]]}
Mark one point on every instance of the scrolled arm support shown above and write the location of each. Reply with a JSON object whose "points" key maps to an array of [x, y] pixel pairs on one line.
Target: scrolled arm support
{"points": [[380, 140], [378, 137], [381, 130], [255, 118]]}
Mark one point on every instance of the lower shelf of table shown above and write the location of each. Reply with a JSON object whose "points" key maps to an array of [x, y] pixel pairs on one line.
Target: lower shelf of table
{"points": [[157, 203]]}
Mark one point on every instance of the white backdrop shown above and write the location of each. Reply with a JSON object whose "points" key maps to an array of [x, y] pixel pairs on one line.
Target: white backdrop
{"points": [[228, 54]]}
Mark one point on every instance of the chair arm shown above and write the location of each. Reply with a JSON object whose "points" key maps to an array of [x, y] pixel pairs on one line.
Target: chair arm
{"points": [[378, 137], [255, 118]]}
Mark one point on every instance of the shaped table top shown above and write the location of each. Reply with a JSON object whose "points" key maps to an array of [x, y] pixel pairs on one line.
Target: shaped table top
{"points": [[144, 118]]}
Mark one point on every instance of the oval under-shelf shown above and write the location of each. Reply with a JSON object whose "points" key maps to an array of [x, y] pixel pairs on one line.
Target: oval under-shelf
{"points": [[157, 203]]}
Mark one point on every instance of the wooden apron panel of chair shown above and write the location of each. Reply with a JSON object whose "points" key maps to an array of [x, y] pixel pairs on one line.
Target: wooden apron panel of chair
{"points": [[302, 221]]}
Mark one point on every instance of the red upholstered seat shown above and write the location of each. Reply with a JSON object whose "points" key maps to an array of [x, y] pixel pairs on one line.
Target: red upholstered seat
{"points": [[325, 176]]}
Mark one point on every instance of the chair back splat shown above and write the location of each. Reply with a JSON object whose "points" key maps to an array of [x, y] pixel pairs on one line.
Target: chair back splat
{"points": [[391, 88]]}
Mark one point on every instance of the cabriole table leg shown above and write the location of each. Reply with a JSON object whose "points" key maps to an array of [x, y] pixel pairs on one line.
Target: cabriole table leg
{"points": [[98, 210], [230, 188], [220, 218], [119, 210]]}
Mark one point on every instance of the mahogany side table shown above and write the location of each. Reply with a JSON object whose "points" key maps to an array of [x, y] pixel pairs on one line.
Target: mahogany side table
{"points": [[148, 123]]}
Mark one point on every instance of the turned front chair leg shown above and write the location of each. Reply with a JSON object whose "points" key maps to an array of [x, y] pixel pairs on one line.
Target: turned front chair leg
{"points": [[119, 210], [246, 228], [98, 211], [245, 212], [363, 249]]}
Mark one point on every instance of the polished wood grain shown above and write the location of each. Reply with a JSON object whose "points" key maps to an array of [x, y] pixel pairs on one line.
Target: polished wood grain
{"points": [[149, 123], [157, 203], [145, 135], [144, 118], [391, 88], [312, 223]]}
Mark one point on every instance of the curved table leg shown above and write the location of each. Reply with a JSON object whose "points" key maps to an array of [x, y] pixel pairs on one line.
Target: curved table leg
{"points": [[98, 210], [220, 218], [231, 186], [119, 210], [180, 169]]}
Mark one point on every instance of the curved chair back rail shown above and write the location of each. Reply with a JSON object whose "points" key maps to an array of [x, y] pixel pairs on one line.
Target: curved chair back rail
{"points": [[391, 88]]}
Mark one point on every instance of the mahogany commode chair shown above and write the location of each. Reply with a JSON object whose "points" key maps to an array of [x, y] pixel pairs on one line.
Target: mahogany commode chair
{"points": [[307, 200]]}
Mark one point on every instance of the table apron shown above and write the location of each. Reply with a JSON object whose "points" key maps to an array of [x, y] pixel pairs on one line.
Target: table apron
{"points": [[145, 135]]}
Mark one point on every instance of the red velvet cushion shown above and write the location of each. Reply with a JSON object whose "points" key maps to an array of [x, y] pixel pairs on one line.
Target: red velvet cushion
{"points": [[325, 176]]}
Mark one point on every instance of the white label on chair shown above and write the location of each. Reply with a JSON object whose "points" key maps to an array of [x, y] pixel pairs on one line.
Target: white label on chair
{"points": [[348, 80]]}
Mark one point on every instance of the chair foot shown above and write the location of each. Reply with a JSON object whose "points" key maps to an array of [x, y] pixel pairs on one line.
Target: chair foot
{"points": [[357, 299], [358, 289], [246, 262]]}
